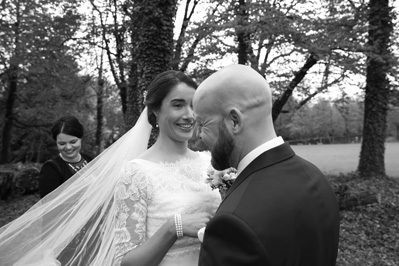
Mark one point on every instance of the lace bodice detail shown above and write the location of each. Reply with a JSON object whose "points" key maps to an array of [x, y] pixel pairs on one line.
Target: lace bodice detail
{"points": [[148, 193]]}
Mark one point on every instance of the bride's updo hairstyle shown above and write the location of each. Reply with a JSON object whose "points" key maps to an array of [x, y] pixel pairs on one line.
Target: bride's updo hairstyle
{"points": [[160, 87]]}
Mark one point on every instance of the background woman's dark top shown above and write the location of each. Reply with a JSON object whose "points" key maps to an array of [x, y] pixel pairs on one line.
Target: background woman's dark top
{"points": [[56, 171]]}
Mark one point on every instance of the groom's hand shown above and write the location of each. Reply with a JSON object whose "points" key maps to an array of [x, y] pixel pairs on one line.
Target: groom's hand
{"points": [[194, 222]]}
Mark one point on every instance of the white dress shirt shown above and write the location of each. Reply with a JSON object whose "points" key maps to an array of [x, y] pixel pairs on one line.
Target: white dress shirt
{"points": [[252, 155]]}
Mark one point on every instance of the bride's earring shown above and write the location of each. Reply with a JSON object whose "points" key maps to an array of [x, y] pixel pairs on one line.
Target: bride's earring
{"points": [[156, 119]]}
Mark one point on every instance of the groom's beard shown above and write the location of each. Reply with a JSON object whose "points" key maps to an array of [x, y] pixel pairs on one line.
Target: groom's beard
{"points": [[223, 148]]}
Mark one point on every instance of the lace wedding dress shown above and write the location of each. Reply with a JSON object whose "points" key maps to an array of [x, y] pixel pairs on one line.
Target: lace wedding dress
{"points": [[148, 193]]}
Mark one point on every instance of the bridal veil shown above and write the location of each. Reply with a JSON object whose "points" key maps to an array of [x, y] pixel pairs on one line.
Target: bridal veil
{"points": [[74, 225]]}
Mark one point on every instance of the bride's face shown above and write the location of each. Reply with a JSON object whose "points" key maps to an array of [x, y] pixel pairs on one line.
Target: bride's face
{"points": [[175, 117]]}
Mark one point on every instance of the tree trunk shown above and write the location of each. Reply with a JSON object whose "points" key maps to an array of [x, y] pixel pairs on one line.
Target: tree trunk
{"points": [[371, 163], [6, 183], [279, 103], [100, 115], [153, 49], [12, 77], [243, 36], [8, 114], [133, 96]]}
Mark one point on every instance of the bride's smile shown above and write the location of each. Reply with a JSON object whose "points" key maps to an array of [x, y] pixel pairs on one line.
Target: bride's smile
{"points": [[186, 126]]}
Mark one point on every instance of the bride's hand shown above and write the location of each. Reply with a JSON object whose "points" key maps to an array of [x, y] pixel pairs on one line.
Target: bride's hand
{"points": [[194, 222]]}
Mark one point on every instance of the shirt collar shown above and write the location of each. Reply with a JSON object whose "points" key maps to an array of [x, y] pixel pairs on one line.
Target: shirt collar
{"points": [[252, 155]]}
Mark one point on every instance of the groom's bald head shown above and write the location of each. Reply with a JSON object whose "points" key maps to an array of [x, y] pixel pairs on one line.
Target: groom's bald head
{"points": [[237, 85]]}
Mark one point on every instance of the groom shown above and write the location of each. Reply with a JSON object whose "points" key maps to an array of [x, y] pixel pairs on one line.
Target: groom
{"points": [[281, 210]]}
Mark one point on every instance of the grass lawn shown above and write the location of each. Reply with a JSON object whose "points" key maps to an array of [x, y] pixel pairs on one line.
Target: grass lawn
{"points": [[344, 158]]}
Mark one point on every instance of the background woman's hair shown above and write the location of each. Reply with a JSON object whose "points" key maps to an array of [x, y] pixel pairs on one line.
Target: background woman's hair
{"points": [[160, 88], [69, 125]]}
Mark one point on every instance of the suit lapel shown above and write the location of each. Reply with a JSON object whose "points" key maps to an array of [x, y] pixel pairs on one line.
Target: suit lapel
{"points": [[270, 157]]}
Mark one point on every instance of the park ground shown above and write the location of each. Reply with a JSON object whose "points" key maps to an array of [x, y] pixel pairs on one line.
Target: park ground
{"points": [[344, 158], [369, 234]]}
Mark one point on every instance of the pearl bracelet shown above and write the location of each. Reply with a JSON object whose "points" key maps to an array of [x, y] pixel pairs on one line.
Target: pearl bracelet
{"points": [[179, 226]]}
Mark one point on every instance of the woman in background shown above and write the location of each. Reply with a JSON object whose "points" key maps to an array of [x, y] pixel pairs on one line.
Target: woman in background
{"points": [[67, 132]]}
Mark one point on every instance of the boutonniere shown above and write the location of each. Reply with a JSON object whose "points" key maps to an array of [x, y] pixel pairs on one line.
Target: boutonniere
{"points": [[221, 180]]}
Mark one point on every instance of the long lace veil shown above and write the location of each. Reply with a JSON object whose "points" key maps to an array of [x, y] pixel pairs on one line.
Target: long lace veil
{"points": [[74, 225]]}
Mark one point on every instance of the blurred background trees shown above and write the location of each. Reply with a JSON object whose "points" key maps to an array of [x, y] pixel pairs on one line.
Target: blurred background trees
{"points": [[94, 59]]}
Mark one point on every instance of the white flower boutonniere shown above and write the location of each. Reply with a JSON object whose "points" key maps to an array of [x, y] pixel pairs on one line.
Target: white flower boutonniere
{"points": [[221, 180]]}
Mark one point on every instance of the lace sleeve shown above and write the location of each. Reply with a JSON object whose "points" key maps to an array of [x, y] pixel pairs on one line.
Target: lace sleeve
{"points": [[131, 198]]}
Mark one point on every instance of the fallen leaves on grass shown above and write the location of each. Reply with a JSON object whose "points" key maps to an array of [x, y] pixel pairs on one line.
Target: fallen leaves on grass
{"points": [[369, 235]]}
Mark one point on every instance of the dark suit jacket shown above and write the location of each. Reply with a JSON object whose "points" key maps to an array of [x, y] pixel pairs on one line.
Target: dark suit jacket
{"points": [[281, 210]]}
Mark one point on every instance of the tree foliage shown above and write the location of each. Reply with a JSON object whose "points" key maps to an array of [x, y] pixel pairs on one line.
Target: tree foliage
{"points": [[38, 71], [323, 121]]}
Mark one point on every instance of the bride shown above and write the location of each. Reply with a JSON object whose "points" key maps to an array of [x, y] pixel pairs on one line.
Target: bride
{"points": [[130, 205]]}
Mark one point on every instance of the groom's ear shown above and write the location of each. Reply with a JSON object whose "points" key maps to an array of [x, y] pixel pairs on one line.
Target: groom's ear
{"points": [[236, 117]]}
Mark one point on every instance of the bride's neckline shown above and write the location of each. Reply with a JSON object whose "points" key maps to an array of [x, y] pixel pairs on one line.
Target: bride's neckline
{"points": [[179, 161]]}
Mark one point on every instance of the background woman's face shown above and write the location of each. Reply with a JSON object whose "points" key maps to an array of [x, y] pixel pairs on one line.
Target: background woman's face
{"points": [[175, 117], [69, 146]]}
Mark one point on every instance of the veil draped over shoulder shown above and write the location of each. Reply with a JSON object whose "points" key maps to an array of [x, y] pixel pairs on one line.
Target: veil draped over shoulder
{"points": [[74, 225]]}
